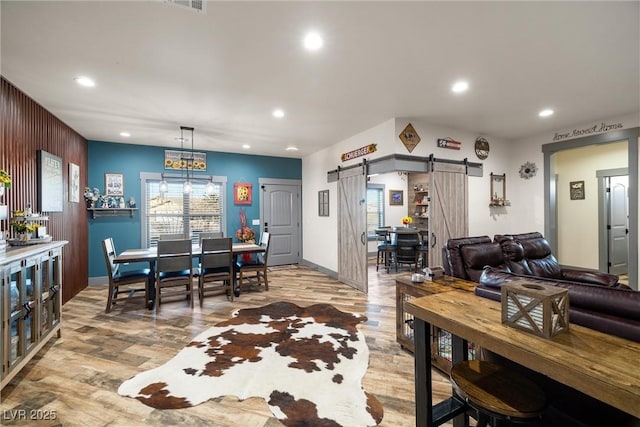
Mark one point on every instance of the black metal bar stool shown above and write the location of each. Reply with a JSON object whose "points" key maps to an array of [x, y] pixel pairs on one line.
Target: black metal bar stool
{"points": [[499, 395]]}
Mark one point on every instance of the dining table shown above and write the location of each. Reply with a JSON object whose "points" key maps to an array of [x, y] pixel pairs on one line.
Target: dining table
{"points": [[149, 255]]}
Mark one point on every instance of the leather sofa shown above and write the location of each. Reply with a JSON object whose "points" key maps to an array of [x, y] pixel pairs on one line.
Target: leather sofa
{"points": [[596, 299]]}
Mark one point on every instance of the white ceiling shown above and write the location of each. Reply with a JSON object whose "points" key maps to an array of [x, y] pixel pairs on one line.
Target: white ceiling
{"points": [[159, 66]]}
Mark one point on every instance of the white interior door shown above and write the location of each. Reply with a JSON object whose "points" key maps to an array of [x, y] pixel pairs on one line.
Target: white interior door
{"points": [[618, 210], [281, 218], [352, 228]]}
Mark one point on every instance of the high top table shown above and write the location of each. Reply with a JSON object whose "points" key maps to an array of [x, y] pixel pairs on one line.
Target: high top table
{"points": [[602, 366]]}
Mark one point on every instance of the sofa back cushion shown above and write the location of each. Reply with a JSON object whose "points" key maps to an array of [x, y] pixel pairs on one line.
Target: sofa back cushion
{"points": [[477, 257], [452, 258], [513, 254], [541, 261]]}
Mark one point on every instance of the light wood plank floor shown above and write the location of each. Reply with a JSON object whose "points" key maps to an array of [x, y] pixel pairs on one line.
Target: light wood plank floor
{"points": [[78, 375]]}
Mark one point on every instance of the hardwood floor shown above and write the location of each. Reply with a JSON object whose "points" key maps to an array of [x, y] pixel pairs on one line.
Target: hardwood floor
{"points": [[77, 376]]}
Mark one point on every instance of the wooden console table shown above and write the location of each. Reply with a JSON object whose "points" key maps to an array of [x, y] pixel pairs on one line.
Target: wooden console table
{"points": [[30, 303], [600, 365], [406, 290]]}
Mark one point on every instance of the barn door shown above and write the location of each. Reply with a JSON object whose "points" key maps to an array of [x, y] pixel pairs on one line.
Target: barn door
{"points": [[448, 216], [352, 228]]}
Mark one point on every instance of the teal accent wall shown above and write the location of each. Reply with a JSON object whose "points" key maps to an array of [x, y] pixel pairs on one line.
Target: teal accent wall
{"points": [[131, 160]]}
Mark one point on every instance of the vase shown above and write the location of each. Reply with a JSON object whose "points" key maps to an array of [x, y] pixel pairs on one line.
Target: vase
{"points": [[24, 237], [2, 187]]}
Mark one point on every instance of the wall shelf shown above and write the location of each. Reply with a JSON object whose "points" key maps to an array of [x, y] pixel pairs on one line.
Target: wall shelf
{"points": [[98, 212]]}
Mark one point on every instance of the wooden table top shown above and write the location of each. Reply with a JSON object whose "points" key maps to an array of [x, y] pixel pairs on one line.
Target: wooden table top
{"points": [[150, 254], [441, 284], [600, 365]]}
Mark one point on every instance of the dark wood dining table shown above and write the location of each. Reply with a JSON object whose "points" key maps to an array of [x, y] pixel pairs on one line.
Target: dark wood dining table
{"points": [[149, 255]]}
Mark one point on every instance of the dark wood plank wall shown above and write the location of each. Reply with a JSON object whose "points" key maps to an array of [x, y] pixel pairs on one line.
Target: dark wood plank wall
{"points": [[25, 128]]}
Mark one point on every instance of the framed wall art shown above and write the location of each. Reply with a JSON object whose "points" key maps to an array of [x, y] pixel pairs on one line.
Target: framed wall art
{"points": [[74, 183], [323, 203], [242, 193], [396, 197], [50, 182], [576, 190], [114, 184]]}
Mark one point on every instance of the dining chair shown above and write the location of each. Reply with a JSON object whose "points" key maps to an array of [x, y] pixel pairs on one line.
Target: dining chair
{"points": [[120, 282], [209, 235], [175, 236], [385, 248], [257, 265], [174, 271], [215, 275]]}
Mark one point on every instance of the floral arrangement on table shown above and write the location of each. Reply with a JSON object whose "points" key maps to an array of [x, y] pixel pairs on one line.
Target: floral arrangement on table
{"points": [[245, 233], [5, 178], [407, 220]]}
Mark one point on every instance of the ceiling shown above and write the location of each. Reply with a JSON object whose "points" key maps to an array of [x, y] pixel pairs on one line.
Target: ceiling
{"points": [[159, 66]]}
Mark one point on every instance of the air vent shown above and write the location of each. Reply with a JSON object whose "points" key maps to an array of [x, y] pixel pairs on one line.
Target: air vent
{"points": [[195, 5]]}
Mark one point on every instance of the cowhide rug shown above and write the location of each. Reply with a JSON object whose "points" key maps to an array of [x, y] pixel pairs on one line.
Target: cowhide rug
{"points": [[306, 362]]}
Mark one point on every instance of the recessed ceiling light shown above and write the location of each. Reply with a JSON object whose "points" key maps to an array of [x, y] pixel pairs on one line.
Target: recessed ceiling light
{"points": [[246, 146], [546, 112], [125, 134], [85, 81], [292, 148], [313, 41], [460, 86], [278, 113]]}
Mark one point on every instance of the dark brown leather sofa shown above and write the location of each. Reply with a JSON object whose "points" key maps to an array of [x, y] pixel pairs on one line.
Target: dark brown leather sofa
{"points": [[596, 300]]}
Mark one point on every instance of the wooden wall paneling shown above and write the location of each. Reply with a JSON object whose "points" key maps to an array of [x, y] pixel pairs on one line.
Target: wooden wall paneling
{"points": [[25, 128]]}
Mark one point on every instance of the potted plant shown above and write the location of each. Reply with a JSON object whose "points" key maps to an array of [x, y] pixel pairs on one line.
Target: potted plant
{"points": [[24, 229]]}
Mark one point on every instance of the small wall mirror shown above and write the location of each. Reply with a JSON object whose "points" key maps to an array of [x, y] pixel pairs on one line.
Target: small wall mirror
{"points": [[498, 190]]}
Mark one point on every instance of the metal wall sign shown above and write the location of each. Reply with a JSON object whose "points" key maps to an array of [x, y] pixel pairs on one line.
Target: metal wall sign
{"points": [[362, 151], [409, 137]]}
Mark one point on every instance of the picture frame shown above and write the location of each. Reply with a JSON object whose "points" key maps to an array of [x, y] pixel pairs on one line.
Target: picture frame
{"points": [[323, 203], [242, 193], [113, 184], [74, 183], [396, 197], [576, 190], [50, 182]]}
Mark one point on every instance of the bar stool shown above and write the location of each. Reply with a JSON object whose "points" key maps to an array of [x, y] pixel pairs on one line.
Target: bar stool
{"points": [[499, 395]]}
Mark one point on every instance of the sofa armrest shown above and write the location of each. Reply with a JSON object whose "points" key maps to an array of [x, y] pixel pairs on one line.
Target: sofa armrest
{"points": [[593, 277]]}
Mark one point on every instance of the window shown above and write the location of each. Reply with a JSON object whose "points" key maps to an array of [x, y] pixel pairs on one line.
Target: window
{"points": [[175, 212], [375, 208]]}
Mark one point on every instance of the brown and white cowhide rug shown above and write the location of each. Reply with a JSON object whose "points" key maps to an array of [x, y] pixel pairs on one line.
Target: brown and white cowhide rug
{"points": [[306, 362]]}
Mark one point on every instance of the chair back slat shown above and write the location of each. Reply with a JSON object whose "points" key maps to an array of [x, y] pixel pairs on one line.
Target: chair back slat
{"points": [[108, 248], [216, 253], [171, 237], [174, 255]]}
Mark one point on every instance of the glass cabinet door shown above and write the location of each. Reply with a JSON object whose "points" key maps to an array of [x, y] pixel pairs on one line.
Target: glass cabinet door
{"points": [[22, 332]]}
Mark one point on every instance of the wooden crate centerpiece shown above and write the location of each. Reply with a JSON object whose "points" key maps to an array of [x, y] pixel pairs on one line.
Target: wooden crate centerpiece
{"points": [[540, 309]]}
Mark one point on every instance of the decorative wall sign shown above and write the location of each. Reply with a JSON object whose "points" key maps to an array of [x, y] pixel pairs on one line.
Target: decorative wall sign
{"points": [[576, 190], [74, 183], [396, 197], [362, 151], [242, 193], [114, 184], [50, 182], [482, 148], [182, 160], [589, 130], [409, 137], [449, 143], [528, 170], [323, 203]]}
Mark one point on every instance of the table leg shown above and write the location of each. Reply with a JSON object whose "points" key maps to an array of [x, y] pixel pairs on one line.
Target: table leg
{"points": [[423, 386], [459, 352], [152, 285]]}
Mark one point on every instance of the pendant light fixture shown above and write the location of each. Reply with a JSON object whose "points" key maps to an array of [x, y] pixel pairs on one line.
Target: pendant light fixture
{"points": [[187, 186], [210, 188], [164, 185]]}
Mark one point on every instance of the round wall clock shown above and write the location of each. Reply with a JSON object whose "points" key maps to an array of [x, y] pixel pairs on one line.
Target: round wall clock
{"points": [[482, 148]]}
